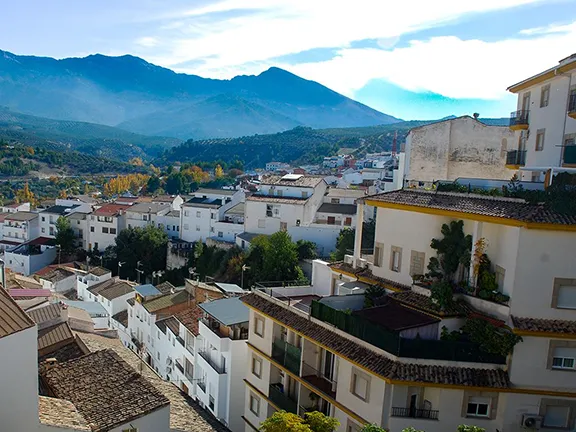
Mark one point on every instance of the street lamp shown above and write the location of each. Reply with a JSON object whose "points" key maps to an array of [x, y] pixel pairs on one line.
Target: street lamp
{"points": [[138, 264], [119, 266]]}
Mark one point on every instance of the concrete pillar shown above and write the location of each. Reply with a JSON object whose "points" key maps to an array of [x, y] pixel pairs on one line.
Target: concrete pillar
{"points": [[358, 237], [476, 234]]}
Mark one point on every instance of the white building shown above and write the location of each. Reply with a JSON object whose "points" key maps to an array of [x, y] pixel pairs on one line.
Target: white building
{"points": [[277, 166], [171, 224], [145, 214], [104, 225], [62, 208], [203, 216], [174, 201], [31, 256], [545, 122], [221, 360], [59, 279], [93, 276], [459, 147], [79, 224], [21, 226], [15, 207], [112, 294]]}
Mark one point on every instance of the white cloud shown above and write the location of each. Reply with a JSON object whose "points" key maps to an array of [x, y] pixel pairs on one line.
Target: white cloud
{"points": [[552, 28], [147, 41]]}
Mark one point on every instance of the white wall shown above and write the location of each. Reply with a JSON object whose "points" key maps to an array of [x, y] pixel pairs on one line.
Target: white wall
{"points": [[97, 237], [196, 222], [156, 421]]}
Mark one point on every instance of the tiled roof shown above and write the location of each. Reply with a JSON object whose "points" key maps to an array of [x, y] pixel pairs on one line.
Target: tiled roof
{"points": [[544, 325], [60, 209], [189, 318], [99, 271], [369, 277], [70, 351], [277, 200], [61, 414], [46, 313], [110, 209], [57, 275], [104, 389], [54, 336], [395, 317], [208, 191], [131, 301], [425, 304], [304, 181], [112, 288], [172, 324], [121, 317], [505, 208], [173, 213], [166, 301], [377, 363], [12, 318], [21, 216], [150, 207], [337, 208], [165, 287]]}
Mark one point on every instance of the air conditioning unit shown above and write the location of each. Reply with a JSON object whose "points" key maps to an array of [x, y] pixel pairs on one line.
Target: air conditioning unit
{"points": [[531, 421]]}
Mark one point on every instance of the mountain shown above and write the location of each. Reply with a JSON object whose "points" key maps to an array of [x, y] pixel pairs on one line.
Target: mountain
{"points": [[138, 96], [89, 138]]}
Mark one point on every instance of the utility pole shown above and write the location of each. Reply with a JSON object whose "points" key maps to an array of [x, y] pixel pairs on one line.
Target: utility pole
{"points": [[244, 268], [138, 264], [120, 266]]}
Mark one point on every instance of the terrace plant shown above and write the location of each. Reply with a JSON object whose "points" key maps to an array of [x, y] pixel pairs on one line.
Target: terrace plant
{"points": [[452, 251]]}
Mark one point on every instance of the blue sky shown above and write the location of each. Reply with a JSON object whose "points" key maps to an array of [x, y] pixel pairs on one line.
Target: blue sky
{"points": [[414, 59]]}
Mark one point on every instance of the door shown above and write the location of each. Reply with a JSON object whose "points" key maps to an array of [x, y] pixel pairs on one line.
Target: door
{"points": [[413, 404], [526, 102], [328, 365]]}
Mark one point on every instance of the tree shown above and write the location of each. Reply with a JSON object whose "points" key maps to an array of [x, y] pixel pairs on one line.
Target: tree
{"points": [[344, 243], [306, 249], [282, 421], [64, 235], [453, 250], [153, 184], [218, 172], [175, 183], [319, 422], [280, 261], [467, 428], [372, 428], [411, 429]]}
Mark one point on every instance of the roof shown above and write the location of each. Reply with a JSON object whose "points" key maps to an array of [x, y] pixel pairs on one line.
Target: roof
{"points": [[230, 288], [21, 216], [150, 207], [57, 275], [12, 318], [60, 209], [308, 181], [121, 317], [189, 318], [54, 336], [236, 210], [30, 292], [41, 241], [345, 193], [246, 236], [31, 303], [277, 200], [62, 353], [511, 209], [203, 202], [349, 209], [112, 288], [105, 389], [165, 287], [164, 198], [396, 317], [228, 311], [147, 290], [425, 304], [46, 313], [375, 362], [111, 209], [169, 322], [537, 325], [208, 191], [94, 309], [564, 65], [99, 271], [78, 215], [60, 413], [173, 213], [167, 301]]}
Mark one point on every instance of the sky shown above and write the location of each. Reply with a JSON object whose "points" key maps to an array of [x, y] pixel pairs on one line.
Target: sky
{"points": [[413, 59]]}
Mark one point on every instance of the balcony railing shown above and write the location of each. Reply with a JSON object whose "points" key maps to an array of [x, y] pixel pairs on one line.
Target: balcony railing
{"points": [[318, 380], [415, 413], [179, 366], [281, 399], [570, 154], [287, 355], [202, 385], [516, 157], [206, 356], [519, 119]]}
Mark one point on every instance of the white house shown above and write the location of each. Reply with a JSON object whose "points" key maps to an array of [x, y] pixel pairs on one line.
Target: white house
{"points": [[59, 279], [93, 276], [49, 216], [29, 257], [15, 207], [221, 360], [171, 223], [98, 314], [79, 224], [545, 123], [21, 226], [145, 214], [174, 201], [112, 294], [104, 225]]}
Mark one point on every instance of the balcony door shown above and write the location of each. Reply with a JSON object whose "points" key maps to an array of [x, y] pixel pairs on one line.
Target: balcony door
{"points": [[328, 365], [413, 405], [526, 102]]}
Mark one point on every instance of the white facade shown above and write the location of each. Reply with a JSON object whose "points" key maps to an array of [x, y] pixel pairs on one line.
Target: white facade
{"points": [[84, 281], [63, 285], [21, 227], [21, 260], [157, 421], [104, 224]]}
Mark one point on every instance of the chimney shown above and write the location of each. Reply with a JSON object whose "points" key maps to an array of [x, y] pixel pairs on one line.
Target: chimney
{"points": [[476, 115], [51, 362]]}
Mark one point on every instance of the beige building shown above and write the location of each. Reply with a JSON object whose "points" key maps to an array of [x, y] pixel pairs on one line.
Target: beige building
{"points": [[459, 147]]}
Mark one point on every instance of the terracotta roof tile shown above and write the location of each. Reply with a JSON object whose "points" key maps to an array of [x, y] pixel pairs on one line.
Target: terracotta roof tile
{"points": [[165, 301], [47, 313], [61, 414], [544, 325], [122, 317], [110, 209], [369, 277], [189, 319], [378, 363], [425, 304], [57, 275], [113, 288]]}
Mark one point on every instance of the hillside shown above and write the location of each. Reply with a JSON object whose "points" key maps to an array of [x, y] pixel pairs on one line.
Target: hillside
{"points": [[300, 145], [89, 138], [131, 93]]}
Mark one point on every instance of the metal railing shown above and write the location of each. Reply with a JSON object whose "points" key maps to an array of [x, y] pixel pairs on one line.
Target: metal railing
{"points": [[318, 380], [519, 117], [415, 413], [516, 157], [281, 399], [287, 355], [206, 356]]}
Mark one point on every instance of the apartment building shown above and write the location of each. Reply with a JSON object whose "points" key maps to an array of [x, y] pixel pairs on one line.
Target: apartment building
{"points": [[79, 224], [93, 276], [21, 226], [462, 147], [531, 249], [61, 208], [141, 215], [104, 225], [203, 215], [221, 360], [545, 123]]}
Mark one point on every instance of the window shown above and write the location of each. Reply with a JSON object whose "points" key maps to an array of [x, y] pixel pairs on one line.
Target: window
{"points": [[158, 334], [563, 354], [395, 258], [254, 404], [43, 230], [360, 385], [261, 223], [43, 219], [556, 416], [211, 229], [211, 402], [198, 214], [144, 217], [259, 326], [500, 273], [331, 220], [220, 234], [158, 355], [378, 252], [283, 226], [91, 229], [257, 366], [544, 95], [353, 427], [269, 208], [540, 139], [186, 227], [186, 213], [564, 293], [478, 407], [104, 230], [348, 221], [177, 228], [335, 200], [112, 230], [197, 227], [279, 192], [168, 227], [417, 263], [212, 215]]}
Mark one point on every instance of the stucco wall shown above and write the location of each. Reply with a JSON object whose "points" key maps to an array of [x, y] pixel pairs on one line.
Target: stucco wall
{"points": [[156, 421]]}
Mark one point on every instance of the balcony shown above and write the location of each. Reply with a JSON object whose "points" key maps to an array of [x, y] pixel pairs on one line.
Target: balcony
{"points": [[415, 413], [515, 159], [519, 120], [206, 356], [569, 157], [319, 380], [202, 385], [572, 106], [281, 399], [287, 355]]}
